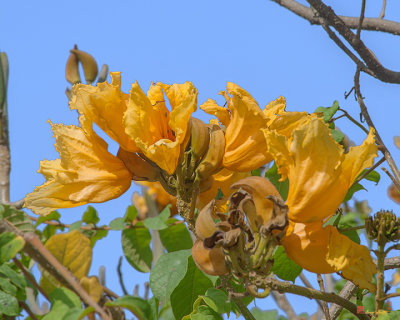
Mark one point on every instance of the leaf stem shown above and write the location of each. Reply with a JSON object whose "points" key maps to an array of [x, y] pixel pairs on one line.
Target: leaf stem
{"points": [[243, 309]]}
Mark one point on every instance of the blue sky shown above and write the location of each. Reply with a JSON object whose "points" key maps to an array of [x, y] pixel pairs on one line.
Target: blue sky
{"points": [[257, 44]]}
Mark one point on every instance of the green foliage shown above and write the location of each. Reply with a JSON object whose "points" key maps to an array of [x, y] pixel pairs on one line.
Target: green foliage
{"points": [[329, 112], [138, 306], [159, 222], [284, 267], [17, 218], [90, 216], [136, 247], [167, 273], [8, 304], [218, 301], [256, 172], [176, 237], [10, 245], [264, 315], [54, 215], [353, 189], [66, 305], [193, 284], [117, 224], [337, 135], [130, 214], [273, 176]]}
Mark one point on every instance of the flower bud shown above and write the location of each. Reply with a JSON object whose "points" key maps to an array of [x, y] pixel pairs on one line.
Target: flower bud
{"points": [[384, 227], [89, 64], [72, 69], [210, 261], [200, 138], [205, 226]]}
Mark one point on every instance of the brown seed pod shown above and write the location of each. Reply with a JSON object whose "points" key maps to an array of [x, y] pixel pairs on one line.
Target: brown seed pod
{"points": [[210, 261]]}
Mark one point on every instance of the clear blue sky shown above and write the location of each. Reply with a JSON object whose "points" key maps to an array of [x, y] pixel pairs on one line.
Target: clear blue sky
{"points": [[257, 44]]}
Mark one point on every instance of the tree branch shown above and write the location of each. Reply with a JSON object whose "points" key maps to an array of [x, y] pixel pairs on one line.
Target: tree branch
{"points": [[279, 286], [370, 24], [364, 112], [347, 292], [342, 25], [284, 304]]}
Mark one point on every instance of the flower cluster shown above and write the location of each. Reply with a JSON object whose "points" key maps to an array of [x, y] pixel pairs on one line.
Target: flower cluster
{"points": [[183, 157]]}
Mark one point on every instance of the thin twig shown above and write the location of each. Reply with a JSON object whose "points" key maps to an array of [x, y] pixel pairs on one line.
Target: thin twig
{"points": [[354, 120], [146, 290], [389, 174], [346, 50], [382, 14], [324, 304], [378, 138], [308, 285], [243, 309], [110, 292], [28, 310], [284, 304], [391, 295], [327, 13], [360, 22], [347, 292], [30, 278], [279, 286], [369, 171], [121, 280]]}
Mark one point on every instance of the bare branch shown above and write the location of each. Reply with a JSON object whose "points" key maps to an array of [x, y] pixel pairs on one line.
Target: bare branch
{"points": [[392, 263], [382, 14], [308, 285], [360, 22], [324, 304], [340, 24], [284, 304], [347, 292], [370, 24], [121, 280], [364, 112]]}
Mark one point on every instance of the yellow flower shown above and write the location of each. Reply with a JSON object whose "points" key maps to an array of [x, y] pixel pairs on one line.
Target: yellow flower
{"points": [[320, 174], [142, 126], [158, 132], [86, 172], [245, 147]]}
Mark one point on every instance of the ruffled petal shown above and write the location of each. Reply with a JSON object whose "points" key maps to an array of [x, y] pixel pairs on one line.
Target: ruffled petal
{"points": [[325, 250], [211, 107], [86, 172], [105, 105], [157, 133], [275, 107], [352, 259], [319, 172], [245, 148]]}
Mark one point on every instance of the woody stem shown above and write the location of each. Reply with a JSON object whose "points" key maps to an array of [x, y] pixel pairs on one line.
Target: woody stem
{"points": [[379, 301]]}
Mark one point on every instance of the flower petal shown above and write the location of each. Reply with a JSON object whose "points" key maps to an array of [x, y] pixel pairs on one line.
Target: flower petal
{"points": [[319, 172], [105, 105], [157, 133], [245, 148], [325, 250], [86, 173], [211, 107]]}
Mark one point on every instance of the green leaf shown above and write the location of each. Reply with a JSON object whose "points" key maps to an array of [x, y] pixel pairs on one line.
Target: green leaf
{"points": [[130, 214], [117, 224], [273, 176], [138, 306], [256, 172], [284, 267], [17, 218], [136, 247], [90, 216], [176, 237], [54, 215], [193, 284], [154, 304], [205, 313], [352, 190], [10, 245], [337, 135], [7, 286], [95, 235], [217, 300], [76, 225], [58, 311], [351, 234], [167, 273], [329, 112], [8, 304], [159, 222], [73, 314], [66, 296], [371, 176], [15, 277], [264, 315]]}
